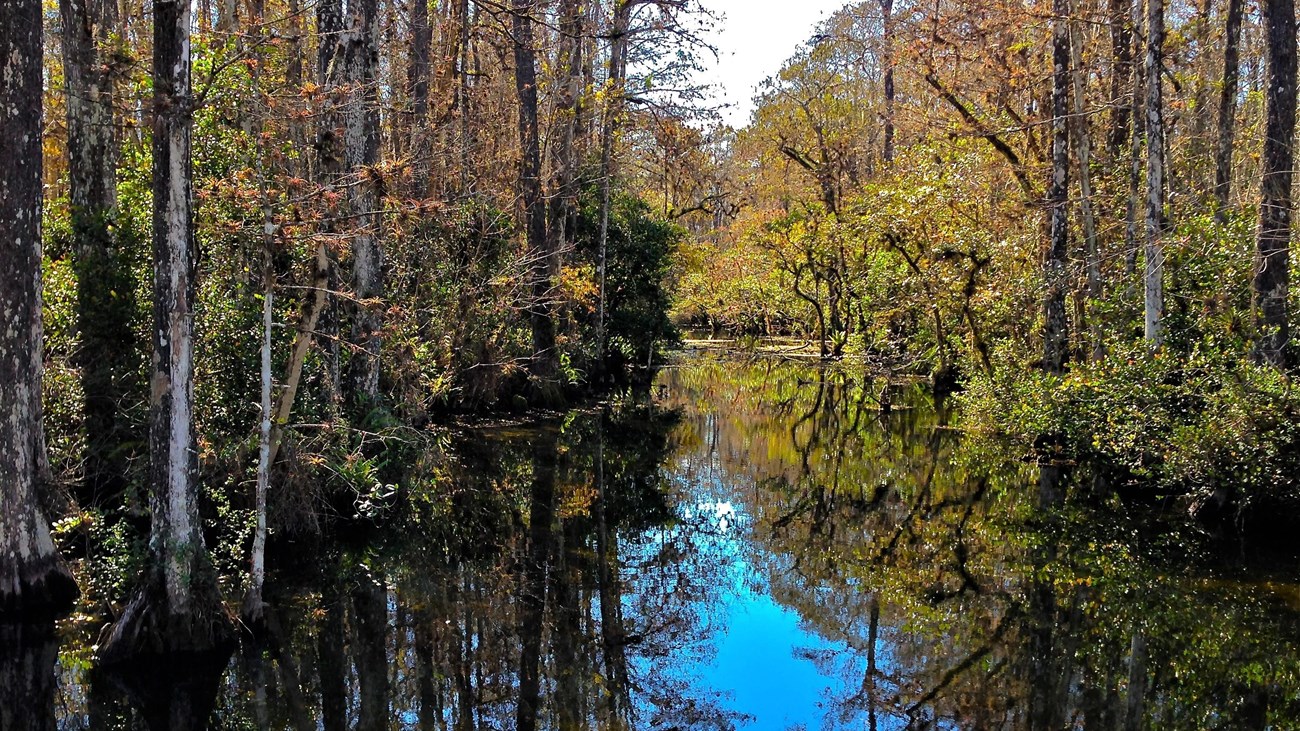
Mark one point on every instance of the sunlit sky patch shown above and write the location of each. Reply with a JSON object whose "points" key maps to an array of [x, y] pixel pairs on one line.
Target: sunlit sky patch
{"points": [[756, 38]]}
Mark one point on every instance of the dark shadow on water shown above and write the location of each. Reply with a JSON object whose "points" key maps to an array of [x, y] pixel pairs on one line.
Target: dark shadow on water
{"points": [[27, 656], [167, 694]]}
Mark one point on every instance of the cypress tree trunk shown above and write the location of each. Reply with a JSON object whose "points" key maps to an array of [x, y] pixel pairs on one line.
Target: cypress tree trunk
{"points": [[609, 129], [542, 261], [1055, 326], [418, 80], [1153, 277], [562, 218], [1121, 77], [361, 142], [34, 582], [105, 285], [1083, 153], [177, 607], [1227, 108], [1273, 240], [887, 41]]}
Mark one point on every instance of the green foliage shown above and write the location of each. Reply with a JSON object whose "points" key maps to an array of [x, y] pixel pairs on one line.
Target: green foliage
{"points": [[1188, 425], [639, 254]]}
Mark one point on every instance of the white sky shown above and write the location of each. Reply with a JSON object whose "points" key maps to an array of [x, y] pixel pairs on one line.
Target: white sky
{"points": [[756, 37]]}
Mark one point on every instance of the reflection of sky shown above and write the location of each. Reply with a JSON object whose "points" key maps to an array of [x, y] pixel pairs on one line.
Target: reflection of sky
{"points": [[758, 661], [760, 651]]}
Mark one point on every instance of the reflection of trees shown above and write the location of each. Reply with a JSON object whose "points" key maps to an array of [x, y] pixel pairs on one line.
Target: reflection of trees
{"points": [[961, 592], [525, 590], [27, 677]]}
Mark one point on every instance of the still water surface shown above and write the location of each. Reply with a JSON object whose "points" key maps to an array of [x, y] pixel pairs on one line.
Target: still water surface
{"points": [[756, 546]]}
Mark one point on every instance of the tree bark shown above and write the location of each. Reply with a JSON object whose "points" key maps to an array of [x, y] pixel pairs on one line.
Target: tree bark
{"points": [[1121, 77], [562, 219], [361, 143], [1154, 273], [1083, 154], [1055, 326], [887, 41], [1227, 109], [34, 582], [370, 611], [1273, 239], [609, 130], [177, 607], [542, 262], [105, 285], [418, 81]]}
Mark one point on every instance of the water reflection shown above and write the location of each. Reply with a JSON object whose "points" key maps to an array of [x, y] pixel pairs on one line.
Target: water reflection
{"points": [[27, 677], [968, 590], [606, 570]]}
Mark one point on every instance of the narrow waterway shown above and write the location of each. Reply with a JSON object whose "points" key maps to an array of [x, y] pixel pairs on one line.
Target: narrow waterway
{"points": [[757, 544]]}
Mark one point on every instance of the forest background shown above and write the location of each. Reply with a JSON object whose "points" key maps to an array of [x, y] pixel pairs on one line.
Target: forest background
{"points": [[372, 218]]}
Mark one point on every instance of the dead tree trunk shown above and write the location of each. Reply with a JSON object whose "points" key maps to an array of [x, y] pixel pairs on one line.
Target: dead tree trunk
{"points": [[34, 582], [177, 606], [1273, 239]]}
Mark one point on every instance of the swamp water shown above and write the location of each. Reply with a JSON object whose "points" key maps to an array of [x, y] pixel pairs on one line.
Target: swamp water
{"points": [[757, 547]]}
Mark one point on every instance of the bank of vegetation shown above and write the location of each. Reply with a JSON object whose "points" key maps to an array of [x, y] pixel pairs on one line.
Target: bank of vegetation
{"points": [[259, 257], [1077, 213]]}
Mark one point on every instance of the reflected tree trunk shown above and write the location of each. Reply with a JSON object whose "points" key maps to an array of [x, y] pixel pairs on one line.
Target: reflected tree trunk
{"points": [[568, 630], [27, 677], [370, 647], [533, 580], [331, 661], [612, 635], [1135, 703]]}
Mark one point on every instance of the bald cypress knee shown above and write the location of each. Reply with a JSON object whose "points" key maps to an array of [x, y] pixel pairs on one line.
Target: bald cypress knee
{"points": [[176, 606], [1273, 237], [34, 582]]}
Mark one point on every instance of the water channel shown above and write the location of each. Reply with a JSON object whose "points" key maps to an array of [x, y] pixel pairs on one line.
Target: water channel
{"points": [[757, 544]]}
